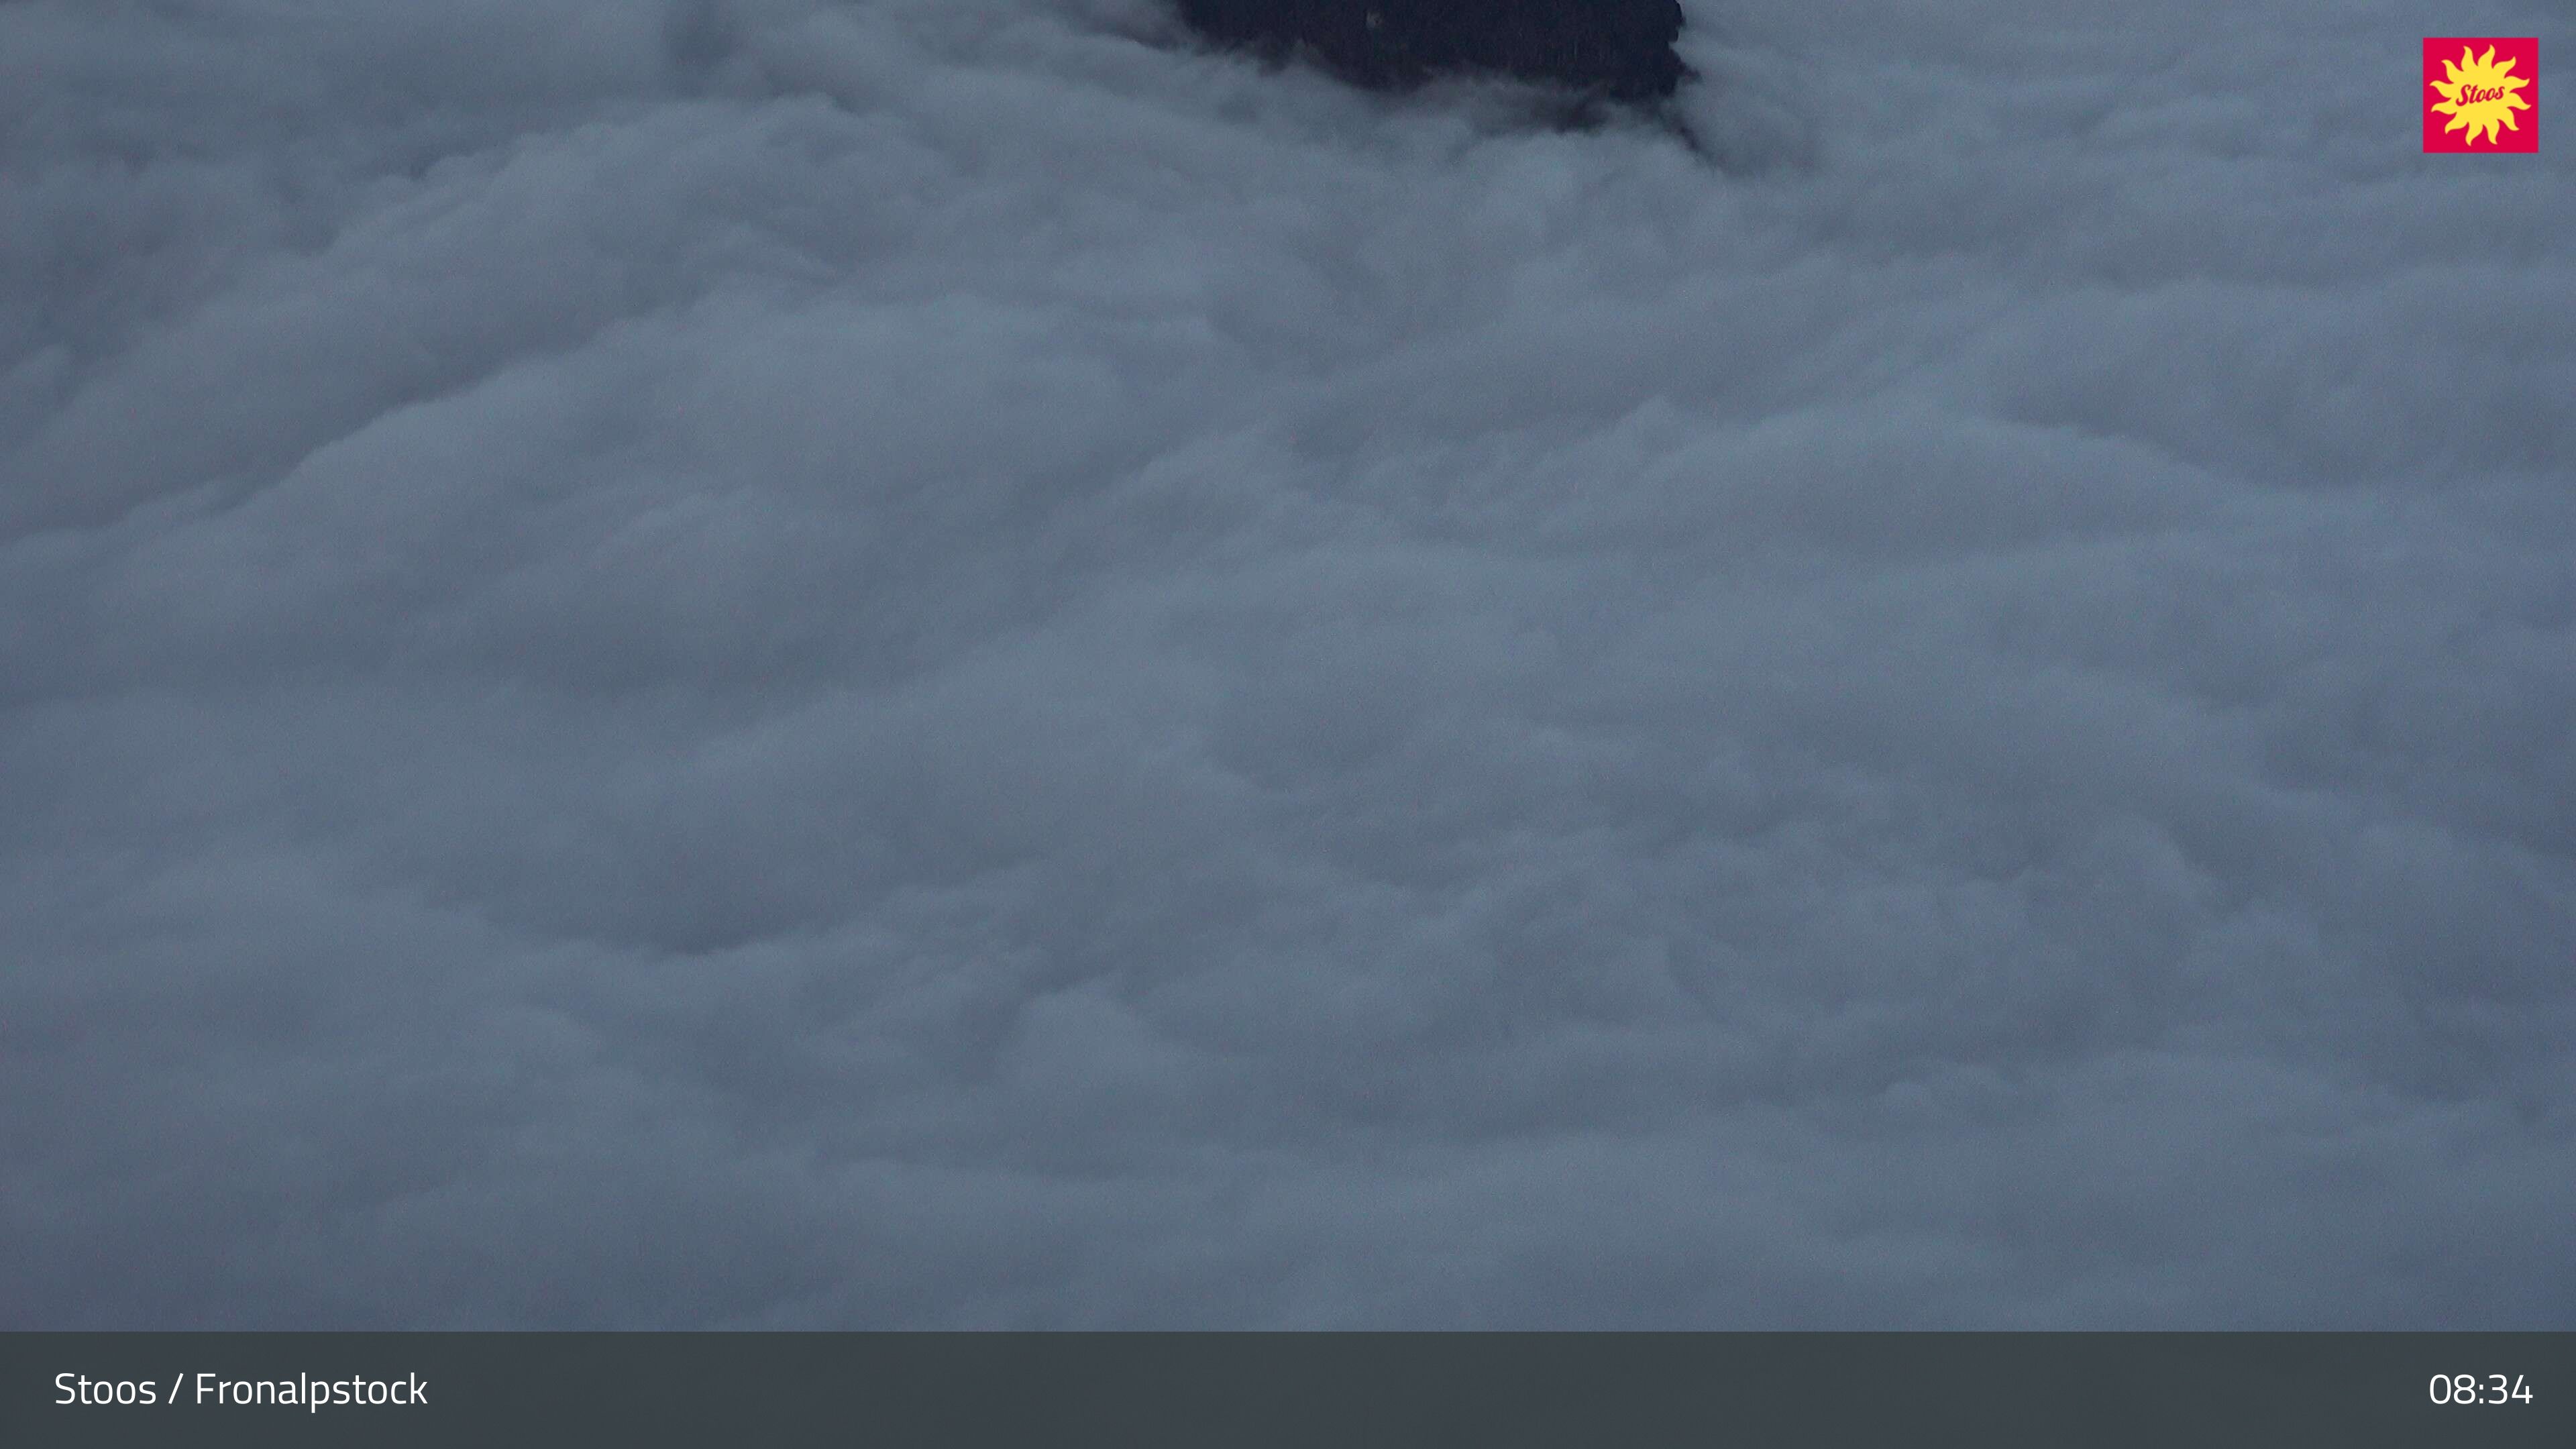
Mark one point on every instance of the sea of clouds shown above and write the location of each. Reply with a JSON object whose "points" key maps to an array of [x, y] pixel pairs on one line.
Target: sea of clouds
{"points": [[936, 662]]}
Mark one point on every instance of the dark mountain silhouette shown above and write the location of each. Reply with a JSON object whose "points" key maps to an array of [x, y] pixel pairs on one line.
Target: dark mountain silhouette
{"points": [[1604, 50]]}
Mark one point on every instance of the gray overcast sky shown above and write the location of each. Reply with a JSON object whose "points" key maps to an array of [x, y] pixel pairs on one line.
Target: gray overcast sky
{"points": [[929, 662]]}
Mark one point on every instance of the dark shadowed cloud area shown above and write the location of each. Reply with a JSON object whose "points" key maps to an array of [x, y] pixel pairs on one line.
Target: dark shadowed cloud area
{"points": [[935, 662]]}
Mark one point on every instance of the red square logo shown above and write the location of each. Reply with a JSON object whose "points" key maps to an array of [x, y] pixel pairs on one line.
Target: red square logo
{"points": [[2481, 93]]}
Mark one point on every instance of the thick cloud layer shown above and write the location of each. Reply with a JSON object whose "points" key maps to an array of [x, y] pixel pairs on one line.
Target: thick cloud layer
{"points": [[931, 662]]}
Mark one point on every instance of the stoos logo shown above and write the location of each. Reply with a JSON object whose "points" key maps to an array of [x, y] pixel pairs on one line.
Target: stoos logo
{"points": [[2481, 93]]}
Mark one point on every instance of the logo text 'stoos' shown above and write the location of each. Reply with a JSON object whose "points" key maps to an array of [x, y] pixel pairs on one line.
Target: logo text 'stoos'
{"points": [[2481, 93]]}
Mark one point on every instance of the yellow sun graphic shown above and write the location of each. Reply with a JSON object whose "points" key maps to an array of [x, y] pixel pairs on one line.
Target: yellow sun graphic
{"points": [[2480, 94]]}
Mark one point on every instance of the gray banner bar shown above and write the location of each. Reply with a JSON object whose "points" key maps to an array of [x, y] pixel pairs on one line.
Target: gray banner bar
{"points": [[1212, 1390]]}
